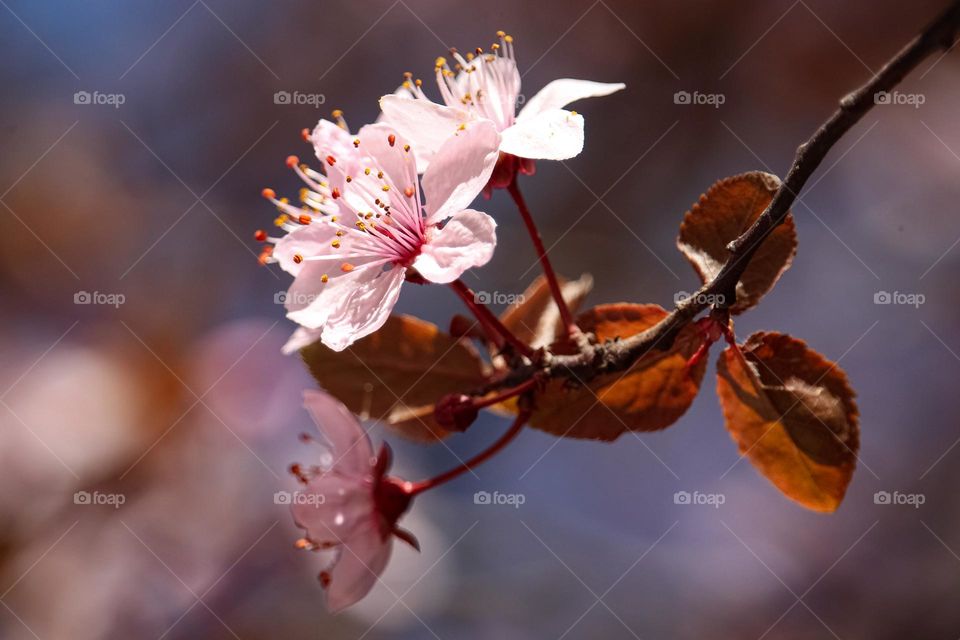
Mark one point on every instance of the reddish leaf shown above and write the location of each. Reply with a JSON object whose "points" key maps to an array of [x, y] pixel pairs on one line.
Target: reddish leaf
{"points": [[723, 213], [651, 395], [793, 414], [396, 374]]}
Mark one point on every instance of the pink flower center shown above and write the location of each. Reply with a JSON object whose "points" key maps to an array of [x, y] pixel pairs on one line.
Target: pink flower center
{"points": [[374, 221]]}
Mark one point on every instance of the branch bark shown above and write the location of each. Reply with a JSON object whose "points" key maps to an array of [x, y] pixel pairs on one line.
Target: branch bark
{"points": [[619, 355]]}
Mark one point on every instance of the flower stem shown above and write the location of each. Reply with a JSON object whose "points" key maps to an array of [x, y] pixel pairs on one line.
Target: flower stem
{"points": [[492, 323], [512, 392], [419, 487], [548, 272]]}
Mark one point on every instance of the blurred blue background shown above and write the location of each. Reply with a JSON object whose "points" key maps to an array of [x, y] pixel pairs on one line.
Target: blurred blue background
{"points": [[179, 400]]}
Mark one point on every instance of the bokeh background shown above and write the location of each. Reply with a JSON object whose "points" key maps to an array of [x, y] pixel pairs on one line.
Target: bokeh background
{"points": [[179, 400]]}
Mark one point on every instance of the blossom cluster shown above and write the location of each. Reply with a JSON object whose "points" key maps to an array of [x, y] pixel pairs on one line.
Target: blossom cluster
{"points": [[390, 204], [394, 197]]}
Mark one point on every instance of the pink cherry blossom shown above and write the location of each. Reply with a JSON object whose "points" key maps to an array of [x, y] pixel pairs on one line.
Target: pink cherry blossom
{"points": [[327, 139], [349, 507], [317, 197], [487, 86], [365, 226]]}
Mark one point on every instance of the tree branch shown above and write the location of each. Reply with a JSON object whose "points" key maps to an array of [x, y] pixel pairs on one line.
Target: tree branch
{"points": [[619, 355]]}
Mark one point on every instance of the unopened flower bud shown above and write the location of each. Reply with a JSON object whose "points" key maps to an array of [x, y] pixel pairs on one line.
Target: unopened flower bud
{"points": [[455, 412]]}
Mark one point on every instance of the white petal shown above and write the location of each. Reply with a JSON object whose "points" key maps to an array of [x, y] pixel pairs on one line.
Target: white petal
{"points": [[401, 92], [300, 338], [362, 309], [550, 135], [397, 164], [310, 301], [304, 301], [560, 93], [330, 139], [460, 169], [466, 241], [308, 240], [425, 124]]}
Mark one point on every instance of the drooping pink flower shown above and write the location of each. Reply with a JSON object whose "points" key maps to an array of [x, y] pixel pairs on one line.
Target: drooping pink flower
{"points": [[487, 86], [349, 264], [349, 507]]}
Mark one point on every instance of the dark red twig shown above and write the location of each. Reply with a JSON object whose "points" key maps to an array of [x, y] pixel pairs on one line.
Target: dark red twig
{"points": [[490, 321], [548, 272], [511, 433], [593, 360]]}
